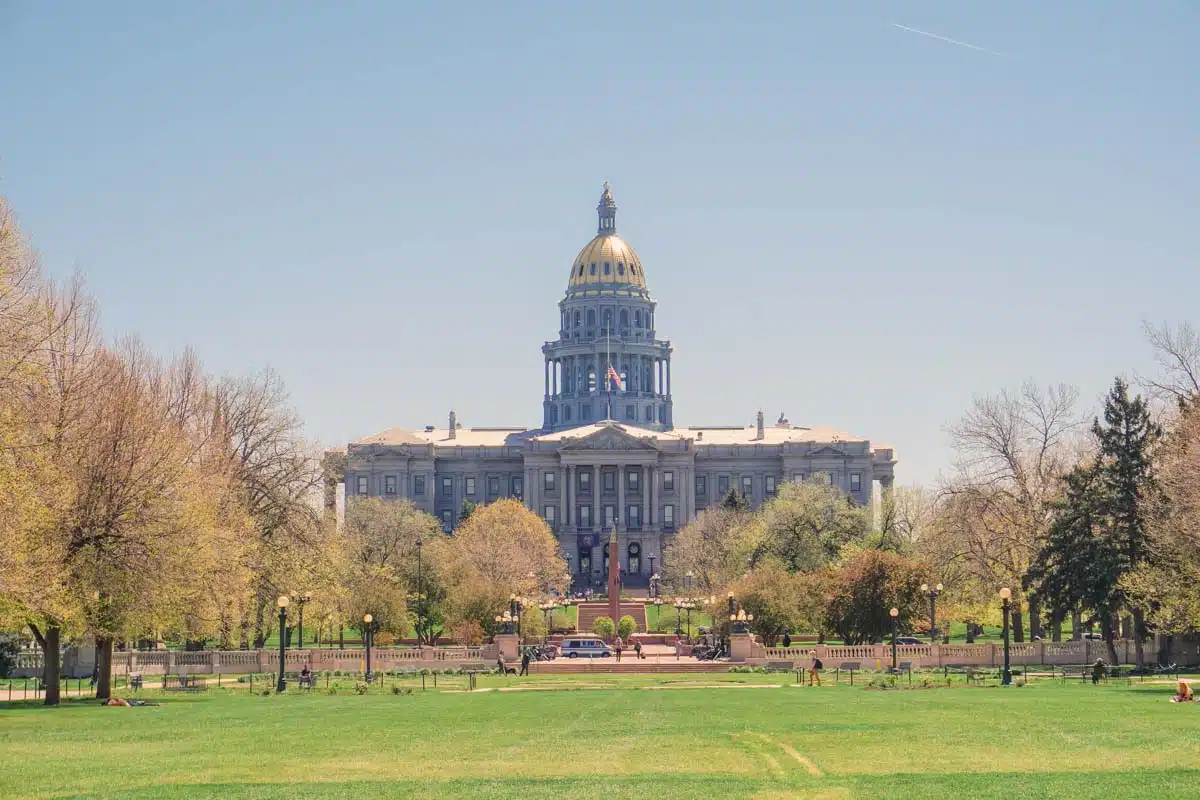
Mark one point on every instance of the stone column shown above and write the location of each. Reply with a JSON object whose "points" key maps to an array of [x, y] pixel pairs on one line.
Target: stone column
{"points": [[595, 497], [564, 497], [549, 361], [645, 497], [621, 522], [668, 391], [885, 485]]}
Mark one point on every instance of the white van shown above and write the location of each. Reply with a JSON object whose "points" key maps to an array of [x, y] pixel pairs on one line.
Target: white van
{"points": [[585, 647]]}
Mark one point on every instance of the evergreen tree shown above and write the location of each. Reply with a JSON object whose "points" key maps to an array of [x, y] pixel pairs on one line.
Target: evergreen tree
{"points": [[466, 509], [1101, 530], [734, 500]]}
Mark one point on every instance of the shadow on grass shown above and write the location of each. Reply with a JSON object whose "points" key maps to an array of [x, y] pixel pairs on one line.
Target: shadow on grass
{"points": [[1157, 784]]}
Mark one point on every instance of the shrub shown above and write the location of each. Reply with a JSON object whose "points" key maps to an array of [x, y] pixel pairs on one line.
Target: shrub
{"points": [[401, 690], [603, 626], [331, 690], [361, 687], [626, 627], [9, 649]]}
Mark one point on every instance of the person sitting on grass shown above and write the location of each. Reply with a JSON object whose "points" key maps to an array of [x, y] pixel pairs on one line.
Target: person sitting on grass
{"points": [[1097, 671], [1183, 693]]}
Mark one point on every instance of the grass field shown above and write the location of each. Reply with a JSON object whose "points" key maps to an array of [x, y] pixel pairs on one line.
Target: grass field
{"points": [[719, 735]]}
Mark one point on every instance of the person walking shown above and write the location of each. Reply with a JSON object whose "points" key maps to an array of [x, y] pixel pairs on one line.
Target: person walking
{"points": [[619, 646], [637, 650], [524, 663], [814, 672]]}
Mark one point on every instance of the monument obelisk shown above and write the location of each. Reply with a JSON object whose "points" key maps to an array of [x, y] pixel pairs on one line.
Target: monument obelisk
{"points": [[614, 578]]}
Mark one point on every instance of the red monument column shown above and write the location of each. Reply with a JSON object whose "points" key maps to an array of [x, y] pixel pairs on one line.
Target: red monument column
{"points": [[614, 578]]}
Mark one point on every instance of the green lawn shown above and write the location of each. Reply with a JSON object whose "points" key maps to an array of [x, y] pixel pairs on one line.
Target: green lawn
{"points": [[603, 736]]}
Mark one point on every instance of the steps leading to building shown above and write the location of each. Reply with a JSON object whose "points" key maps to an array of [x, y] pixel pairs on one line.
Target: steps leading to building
{"points": [[590, 612]]}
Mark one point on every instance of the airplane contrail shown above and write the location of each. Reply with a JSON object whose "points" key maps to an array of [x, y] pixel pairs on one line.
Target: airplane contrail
{"points": [[946, 39]]}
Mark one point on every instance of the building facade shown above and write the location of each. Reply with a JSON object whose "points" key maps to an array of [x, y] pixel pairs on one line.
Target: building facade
{"points": [[607, 455]]}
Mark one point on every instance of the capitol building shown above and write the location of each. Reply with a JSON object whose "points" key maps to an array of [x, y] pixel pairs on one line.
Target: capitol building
{"points": [[608, 455]]}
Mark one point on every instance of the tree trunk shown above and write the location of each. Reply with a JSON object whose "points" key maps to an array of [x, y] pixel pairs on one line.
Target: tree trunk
{"points": [[50, 644], [1076, 626], [104, 651], [1127, 627], [1018, 622], [260, 633], [1056, 620], [1108, 630], [1035, 619], [1139, 637]]}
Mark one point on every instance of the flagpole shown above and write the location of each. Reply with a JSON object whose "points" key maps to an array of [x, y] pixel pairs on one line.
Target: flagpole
{"points": [[608, 373]]}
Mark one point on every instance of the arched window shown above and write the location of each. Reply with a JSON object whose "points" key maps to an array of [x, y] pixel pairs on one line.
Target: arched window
{"points": [[607, 267], [581, 270], [620, 269], [566, 413], [576, 319], [608, 319], [592, 269], [624, 318], [637, 319], [591, 378], [591, 318], [634, 554]]}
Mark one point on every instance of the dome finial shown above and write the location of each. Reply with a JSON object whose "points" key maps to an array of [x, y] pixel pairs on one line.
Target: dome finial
{"points": [[607, 211]]}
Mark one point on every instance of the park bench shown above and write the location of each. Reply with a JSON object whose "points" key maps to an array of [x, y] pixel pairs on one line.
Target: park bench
{"points": [[849, 666], [185, 683], [966, 670]]}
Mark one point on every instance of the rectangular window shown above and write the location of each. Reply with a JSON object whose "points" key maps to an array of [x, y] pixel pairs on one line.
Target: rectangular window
{"points": [[585, 516], [389, 484], [633, 515], [798, 477], [701, 485], [747, 486], [634, 476], [550, 513], [668, 516], [610, 481], [585, 480], [585, 412], [362, 484], [418, 485], [770, 484], [447, 487], [631, 413], [493, 486], [722, 484], [447, 520], [548, 481], [518, 487], [610, 516], [669, 481], [856, 481], [469, 487]]}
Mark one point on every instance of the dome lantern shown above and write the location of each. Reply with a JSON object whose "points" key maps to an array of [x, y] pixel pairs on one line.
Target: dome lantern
{"points": [[607, 211]]}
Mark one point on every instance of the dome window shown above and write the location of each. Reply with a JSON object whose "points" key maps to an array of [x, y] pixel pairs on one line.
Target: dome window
{"points": [[620, 269], [637, 319], [592, 271], [632, 269], [607, 268], [581, 270]]}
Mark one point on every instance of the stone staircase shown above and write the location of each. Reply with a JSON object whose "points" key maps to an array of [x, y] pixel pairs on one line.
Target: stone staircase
{"points": [[590, 612]]}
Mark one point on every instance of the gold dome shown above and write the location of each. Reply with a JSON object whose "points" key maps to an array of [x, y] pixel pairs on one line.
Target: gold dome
{"points": [[607, 259]]}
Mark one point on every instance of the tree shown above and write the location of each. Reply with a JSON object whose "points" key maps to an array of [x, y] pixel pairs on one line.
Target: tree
{"points": [[773, 596], [1177, 353], [466, 509], [603, 626], [626, 627], [1101, 534], [333, 472], [1013, 448], [865, 586], [714, 547], [805, 527], [734, 500]]}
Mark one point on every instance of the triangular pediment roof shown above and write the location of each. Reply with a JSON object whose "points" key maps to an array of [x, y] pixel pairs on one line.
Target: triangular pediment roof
{"points": [[828, 450], [610, 437]]}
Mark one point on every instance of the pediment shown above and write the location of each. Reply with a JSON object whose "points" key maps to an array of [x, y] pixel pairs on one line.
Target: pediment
{"points": [[827, 450], [608, 439]]}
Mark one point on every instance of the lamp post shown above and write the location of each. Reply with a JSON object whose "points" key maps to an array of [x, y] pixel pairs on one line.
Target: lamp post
{"points": [[894, 613], [548, 607], [1005, 599], [301, 599], [506, 619], [368, 628], [932, 594], [678, 619], [282, 602], [687, 579], [689, 605], [420, 602]]}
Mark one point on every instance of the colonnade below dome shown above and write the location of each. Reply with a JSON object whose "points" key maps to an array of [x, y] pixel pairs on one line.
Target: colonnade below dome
{"points": [[578, 389]]}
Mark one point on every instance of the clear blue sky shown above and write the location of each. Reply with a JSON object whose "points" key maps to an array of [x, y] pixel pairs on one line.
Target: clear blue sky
{"points": [[849, 222]]}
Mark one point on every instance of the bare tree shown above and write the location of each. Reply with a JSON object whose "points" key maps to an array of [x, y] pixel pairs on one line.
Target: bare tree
{"points": [[1013, 447], [1177, 353]]}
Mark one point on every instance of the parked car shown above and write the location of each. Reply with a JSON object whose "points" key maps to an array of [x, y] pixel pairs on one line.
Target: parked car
{"points": [[585, 647], [908, 640]]}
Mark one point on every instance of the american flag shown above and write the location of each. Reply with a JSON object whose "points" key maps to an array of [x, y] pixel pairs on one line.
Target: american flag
{"points": [[615, 378]]}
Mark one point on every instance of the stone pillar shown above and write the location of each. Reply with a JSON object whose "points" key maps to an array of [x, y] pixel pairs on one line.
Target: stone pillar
{"points": [[595, 497], [885, 485], [645, 497], [568, 518], [507, 643], [549, 361], [668, 363], [741, 646], [621, 521]]}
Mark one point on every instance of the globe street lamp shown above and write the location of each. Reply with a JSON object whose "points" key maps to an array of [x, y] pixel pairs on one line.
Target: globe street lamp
{"points": [[932, 594], [894, 613], [282, 602], [689, 604], [506, 619], [301, 599], [678, 618], [368, 628], [1005, 598], [548, 607]]}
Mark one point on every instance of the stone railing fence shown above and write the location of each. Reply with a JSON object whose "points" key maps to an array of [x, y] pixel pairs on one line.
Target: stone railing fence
{"points": [[991, 654]]}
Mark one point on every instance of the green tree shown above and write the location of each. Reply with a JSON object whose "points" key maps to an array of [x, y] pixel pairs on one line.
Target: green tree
{"points": [[626, 627], [865, 586], [603, 626], [806, 526], [734, 500], [466, 509], [1101, 534]]}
